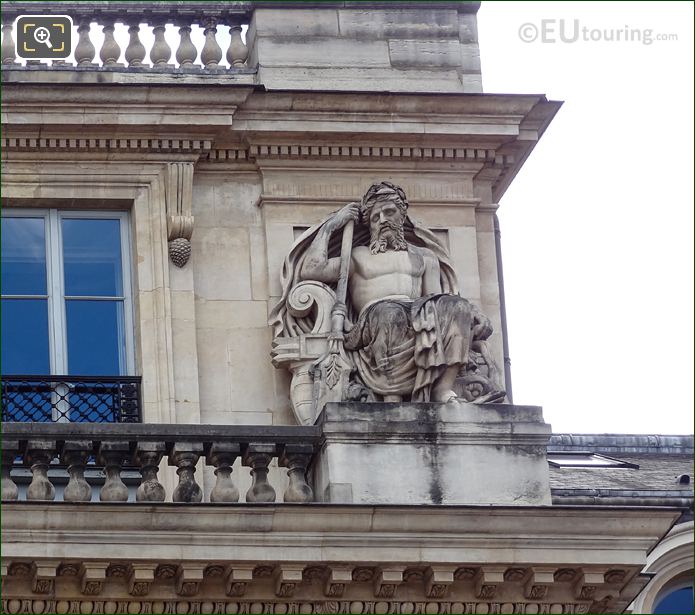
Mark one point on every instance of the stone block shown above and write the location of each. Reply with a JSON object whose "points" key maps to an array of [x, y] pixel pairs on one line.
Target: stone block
{"points": [[224, 315], [367, 78], [321, 51], [399, 23], [296, 22], [221, 261], [465, 260], [470, 58], [472, 83], [468, 28], [420, 54], [214, 389], [223, 203], [455, 453], [250, 373], [259, 263]]}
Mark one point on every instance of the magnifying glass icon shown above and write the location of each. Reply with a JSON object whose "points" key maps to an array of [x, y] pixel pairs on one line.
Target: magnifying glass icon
{"points": [[43, 36]]}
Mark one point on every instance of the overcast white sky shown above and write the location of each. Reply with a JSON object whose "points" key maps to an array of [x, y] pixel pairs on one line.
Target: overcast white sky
{"points": [[597, 228]]}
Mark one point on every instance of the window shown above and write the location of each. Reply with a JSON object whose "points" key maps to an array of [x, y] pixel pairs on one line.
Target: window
{"points": [[676, 601], [586, 460], [66, 302]]}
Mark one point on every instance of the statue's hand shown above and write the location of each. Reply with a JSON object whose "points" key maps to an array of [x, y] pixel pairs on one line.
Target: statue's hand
{"points": [[350, 212], [482, 329]]}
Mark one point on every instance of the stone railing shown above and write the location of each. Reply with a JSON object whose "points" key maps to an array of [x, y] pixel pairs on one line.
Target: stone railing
{"points": [[106, 23], [142, 447]]}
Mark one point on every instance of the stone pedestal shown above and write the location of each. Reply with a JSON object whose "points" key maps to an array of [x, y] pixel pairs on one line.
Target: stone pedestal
{"points": [[428, 453]]}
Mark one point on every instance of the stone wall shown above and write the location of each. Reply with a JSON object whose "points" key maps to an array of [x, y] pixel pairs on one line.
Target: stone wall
{"points": [[403, 47]]}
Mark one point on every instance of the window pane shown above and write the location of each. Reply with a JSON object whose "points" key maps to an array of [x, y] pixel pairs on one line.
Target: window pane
{"points": [[677, 602], [23, 256], [94, 403], [25, 336], [26, 400], [92, 257], [96, 343]]}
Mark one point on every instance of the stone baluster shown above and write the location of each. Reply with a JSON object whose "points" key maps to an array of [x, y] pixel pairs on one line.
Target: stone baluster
{"points": [[74, 455], [84, 50], [110, 51], [38, 456], [258, 457], [8, 47], [222, 456], [135, 51], [296, 458], [9, 452], [160, 52], [211, 54], [147, 456], [238, 51], [112, 456], [186, 53], [184, 455]]}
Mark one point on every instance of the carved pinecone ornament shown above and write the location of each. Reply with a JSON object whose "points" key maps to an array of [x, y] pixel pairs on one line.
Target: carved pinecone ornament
{"points": [[179, 251]]}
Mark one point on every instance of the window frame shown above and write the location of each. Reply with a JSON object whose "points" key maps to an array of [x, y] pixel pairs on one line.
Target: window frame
{"points": [[55, 283], [599, 460]]}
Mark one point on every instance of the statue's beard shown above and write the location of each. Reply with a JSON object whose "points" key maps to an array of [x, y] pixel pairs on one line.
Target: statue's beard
{"points": [[389, 236]]}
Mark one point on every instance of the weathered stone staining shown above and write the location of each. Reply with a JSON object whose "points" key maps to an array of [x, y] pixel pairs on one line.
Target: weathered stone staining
{"points": [[405, 333], [456, 453]]}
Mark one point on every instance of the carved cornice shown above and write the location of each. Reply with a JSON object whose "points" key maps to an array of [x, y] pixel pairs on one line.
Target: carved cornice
{"points": [[185, 565], [278, 151], [346, 151], [343, 588], [101, 144]]}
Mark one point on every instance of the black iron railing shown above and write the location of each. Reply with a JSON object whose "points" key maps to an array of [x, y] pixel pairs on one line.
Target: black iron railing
{"points": [[82, 399]]}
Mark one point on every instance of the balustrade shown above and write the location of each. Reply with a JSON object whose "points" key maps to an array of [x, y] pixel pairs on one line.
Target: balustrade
{"points": [[117, 448], [144, 47]]}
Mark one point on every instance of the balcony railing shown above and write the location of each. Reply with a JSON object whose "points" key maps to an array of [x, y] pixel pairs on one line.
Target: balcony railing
{"points": [[82, 399], [167, 29], [143, 446]]}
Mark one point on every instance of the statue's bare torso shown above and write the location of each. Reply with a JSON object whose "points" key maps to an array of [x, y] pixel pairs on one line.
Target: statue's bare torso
{"points": [[406, 274]]}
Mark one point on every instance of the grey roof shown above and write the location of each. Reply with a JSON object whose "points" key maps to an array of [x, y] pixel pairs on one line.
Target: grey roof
{"points": [[623, 443], [662, 460], [656, 472]]}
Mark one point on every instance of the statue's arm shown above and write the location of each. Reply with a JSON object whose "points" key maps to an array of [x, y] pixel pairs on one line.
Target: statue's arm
{"points": [[431, 281], [317, 265]]}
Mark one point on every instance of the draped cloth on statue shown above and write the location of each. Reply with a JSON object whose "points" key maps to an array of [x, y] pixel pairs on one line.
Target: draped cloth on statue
{"points": [[286, 325], [402, 347]]}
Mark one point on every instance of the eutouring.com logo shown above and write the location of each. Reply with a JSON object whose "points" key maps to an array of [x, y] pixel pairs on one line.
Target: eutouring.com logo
{"points": [[573, 31], [41, 37]]}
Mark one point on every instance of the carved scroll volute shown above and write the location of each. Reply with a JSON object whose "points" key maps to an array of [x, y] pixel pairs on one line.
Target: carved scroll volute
{"points": [[179, 202], [312, 300]]}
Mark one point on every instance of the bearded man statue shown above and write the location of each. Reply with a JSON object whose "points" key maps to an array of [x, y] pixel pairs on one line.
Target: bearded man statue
{"points": [[412, 333]]}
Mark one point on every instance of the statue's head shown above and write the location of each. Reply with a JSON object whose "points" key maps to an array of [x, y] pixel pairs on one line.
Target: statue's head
{"points": [[384, 207]]}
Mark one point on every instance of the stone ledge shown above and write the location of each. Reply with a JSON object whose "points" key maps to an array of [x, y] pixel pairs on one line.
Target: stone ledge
{"points": [[327, 532], [546, 556]]}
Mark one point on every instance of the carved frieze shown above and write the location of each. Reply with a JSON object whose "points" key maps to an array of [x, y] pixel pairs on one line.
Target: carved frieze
{"points": [[137, 587], [258, 607]]}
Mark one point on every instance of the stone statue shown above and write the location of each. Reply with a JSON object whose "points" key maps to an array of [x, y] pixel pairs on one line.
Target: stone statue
{"points": [[403, 332]]}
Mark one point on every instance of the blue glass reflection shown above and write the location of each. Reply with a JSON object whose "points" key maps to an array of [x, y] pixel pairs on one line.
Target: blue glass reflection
{"points": [[23, 256], [92, 257], [96, 341], [25, 336], [676, 603], [98, 406]]}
